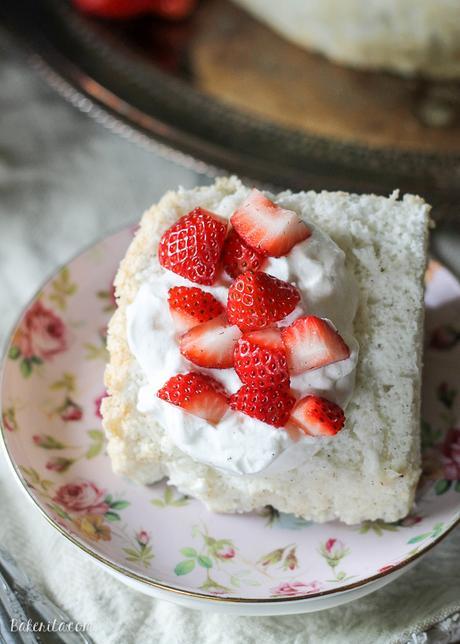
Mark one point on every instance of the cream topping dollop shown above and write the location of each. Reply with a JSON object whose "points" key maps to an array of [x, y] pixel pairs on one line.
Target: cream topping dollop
{"points": [[239, 444]]}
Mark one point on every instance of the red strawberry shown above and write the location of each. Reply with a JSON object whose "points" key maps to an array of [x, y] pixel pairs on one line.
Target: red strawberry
{"points": [[190, 306], [196, 393], [211, 344], [270, 405], [316, 416], [238, 257], [268, 228], [193, 245], [312, 342], [256, 300], [260, 359], [122, 9]]}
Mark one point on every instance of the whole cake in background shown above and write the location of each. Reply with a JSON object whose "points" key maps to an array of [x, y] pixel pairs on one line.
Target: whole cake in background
{"points": [[405, 36], [266, 350]]}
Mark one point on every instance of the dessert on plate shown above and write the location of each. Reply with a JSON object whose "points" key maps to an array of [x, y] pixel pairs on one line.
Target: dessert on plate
{"points": [[266, 350], [405, 36]]}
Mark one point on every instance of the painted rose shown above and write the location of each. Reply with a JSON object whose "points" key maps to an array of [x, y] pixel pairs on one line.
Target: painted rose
{"points": [[226, 552], [143, 537], [82, 497], [70, 411], [333, 550], [293, 588], [450, 456], [98, 403], [42, 333]]}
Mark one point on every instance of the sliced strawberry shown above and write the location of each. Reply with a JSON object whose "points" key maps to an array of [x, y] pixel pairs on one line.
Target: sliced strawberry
{"points": [[271, 405], [312, 342], [260, 359], [211, 344], [193, 245], [316, 416], [268, 228], [189, 306], [256, 300], [196, 393], [238, 257]]}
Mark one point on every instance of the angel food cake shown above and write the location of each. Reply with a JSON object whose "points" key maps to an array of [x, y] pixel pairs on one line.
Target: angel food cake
{"points": [[266, 350]]}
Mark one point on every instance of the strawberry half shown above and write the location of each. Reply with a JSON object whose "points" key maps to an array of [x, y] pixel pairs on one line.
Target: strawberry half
{"points": [[312, 342], [211, 344], [193, 245], [270, 405], [198, 394], [238, 257], [316, 416], [189, 306], [256, 300], [268, 228], [260, 359]]}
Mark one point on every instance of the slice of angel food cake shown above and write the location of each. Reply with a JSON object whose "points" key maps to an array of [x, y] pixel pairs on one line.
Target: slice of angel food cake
{"points": [[266, 350]]}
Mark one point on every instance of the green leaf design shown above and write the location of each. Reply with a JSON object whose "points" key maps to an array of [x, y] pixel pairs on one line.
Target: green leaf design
{"points": [[204, 561], [119, 505], [168, 494], [184, 567], [378, 527], [61, 288], [97, 437], [130, 551], [59, 511], [49, 442], [442, 486], [158, 502], [419, 538], [112, 516], [14, 353], [26, 368], [189, 552], [67, 383]]}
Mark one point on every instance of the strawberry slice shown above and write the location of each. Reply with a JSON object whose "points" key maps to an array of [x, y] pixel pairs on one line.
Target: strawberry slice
{"points": [[256, 300], [312, 342], [268, 228], [316, 416], [190, 306], [238, 257], [211, 344], [198, 394], [193, 245], [270, 405], [260, 359]]}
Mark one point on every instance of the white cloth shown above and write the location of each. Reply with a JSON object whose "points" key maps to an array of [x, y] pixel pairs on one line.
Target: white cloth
{"points": [[64, 181]]}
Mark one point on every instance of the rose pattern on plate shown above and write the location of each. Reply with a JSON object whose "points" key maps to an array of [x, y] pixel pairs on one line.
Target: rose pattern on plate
{"points": [[40, 337], [333, 551], [295, 588], [266, 554]]}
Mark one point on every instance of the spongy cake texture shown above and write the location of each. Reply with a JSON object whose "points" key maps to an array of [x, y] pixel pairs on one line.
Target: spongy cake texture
{"points": [[370, 469]]}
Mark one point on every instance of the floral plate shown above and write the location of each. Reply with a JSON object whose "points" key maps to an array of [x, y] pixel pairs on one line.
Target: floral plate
{"points": [[166, 544]]}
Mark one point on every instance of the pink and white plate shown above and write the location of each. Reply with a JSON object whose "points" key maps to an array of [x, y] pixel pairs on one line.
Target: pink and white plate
{"points": [[168, 545]]}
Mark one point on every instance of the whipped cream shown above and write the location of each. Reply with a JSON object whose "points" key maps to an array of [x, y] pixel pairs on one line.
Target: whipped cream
{"points": [[240, 444]]}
